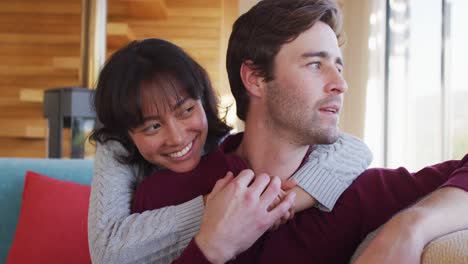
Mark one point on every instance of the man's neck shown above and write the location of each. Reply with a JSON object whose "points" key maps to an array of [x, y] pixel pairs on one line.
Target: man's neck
{"points": [[267, 151]]}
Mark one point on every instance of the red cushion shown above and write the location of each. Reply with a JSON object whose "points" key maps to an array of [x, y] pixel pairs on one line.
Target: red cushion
{"points": [[52, 226]]}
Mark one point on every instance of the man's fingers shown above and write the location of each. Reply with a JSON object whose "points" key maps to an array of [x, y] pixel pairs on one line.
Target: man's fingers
{"points": [[274, 204], [245, 177], [271, 192], [221, 183], [284, 206], [261, 182]]}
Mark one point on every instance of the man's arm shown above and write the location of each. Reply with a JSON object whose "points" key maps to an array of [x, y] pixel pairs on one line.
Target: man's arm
{"points": [[404, 237]]}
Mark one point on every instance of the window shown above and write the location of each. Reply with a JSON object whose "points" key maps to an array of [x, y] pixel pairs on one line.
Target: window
{"points": [[425, 97]]}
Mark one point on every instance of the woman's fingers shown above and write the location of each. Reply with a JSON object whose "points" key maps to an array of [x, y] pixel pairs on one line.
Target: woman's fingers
{"points": [[288, 184]]}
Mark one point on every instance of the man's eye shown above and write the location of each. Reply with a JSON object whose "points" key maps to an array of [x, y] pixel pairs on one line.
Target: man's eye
{"points": [[314, 65]]}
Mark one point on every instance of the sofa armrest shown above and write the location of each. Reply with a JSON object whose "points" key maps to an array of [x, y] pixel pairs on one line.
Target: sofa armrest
{"points": [[448, 249]]}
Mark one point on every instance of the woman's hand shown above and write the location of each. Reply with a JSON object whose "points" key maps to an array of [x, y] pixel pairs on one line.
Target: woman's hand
{"points": [[237, 213]]}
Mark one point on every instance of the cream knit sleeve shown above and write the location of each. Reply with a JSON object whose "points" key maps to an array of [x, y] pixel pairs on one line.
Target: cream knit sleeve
{"points": [[117, 236], [330, 169]]}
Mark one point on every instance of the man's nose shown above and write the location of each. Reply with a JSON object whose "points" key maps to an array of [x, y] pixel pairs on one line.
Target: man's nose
{"points": [[336, 83]]}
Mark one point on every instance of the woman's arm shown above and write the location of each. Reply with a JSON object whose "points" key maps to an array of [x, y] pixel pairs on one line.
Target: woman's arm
{"points": [[329, 171], [117, 236]]}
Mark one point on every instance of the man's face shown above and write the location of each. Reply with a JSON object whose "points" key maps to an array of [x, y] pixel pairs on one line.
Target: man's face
{"points": [[306, 95]]}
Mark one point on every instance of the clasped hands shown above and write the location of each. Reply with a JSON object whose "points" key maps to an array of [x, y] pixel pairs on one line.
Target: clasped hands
{"points": [[239, 210]]}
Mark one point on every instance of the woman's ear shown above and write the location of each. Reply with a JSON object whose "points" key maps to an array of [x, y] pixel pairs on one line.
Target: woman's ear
{"points": [[252, 80]]}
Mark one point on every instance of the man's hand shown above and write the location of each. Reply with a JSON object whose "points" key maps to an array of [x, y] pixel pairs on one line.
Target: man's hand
{"points": [[237, 214], [286, 187]]}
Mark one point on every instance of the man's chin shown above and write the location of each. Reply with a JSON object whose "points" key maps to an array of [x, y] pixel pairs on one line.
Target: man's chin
{"points": [[326, 136]]}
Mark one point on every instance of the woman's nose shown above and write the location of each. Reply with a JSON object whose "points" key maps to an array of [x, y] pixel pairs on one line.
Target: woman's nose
{"points": [[175, 133]]}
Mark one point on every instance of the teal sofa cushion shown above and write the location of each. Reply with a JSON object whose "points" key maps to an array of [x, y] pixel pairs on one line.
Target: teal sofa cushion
{"points": [[12, 171]]}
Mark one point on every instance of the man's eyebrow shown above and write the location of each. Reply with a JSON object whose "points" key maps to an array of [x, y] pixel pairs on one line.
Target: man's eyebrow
{"points": [[321, 54]]}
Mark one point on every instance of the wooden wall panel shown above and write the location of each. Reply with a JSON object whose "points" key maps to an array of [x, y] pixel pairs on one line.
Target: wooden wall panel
{"points": [[193, 25], [39, 49]]}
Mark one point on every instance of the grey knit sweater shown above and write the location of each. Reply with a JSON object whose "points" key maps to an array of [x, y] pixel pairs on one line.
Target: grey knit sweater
{"points": [[159, 236]]}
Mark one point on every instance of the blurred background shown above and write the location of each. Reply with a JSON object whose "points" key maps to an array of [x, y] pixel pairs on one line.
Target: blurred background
{"points": [[405, 63]]}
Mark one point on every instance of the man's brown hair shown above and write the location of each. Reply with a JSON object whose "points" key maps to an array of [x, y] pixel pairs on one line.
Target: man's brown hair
{"points": [[259, 34]]}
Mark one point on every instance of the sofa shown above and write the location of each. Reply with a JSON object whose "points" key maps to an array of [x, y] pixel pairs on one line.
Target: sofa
{"points": [[12, 180], [59, 224]]}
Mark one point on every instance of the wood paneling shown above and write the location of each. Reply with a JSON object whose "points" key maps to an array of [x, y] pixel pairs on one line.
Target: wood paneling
{"points": [[195, 26], [40, 49]]}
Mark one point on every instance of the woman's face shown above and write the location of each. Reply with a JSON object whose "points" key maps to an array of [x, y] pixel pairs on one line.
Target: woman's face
{"points": [[173, 134]]}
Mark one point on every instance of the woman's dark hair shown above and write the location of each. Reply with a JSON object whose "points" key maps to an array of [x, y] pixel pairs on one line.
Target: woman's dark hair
{"points": [[259, 34], [118, 98]]}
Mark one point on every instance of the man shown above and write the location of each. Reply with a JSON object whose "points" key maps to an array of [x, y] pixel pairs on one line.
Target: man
{"points": [[285, 70]]}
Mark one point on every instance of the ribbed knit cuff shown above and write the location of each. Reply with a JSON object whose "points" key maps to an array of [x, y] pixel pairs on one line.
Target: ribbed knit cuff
{"points": [[188, 216], [330, 169], [320, 184]]}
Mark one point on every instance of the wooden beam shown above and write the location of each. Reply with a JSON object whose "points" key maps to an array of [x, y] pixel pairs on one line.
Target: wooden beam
{"points": [[21, 111], [23, 128], [31, 95], [41, 7], [26, 49], [66, 62], [20, 60], [138, 9], [41, 19], [177, 32], [188, 3], [21, 147], [31, 38], [119, 34], [194, 12], [39, 28], [188, 22], [31, 71]]}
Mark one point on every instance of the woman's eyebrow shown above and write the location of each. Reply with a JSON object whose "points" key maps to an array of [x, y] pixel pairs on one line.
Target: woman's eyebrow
{"points": [[177, 105], [181, 102]]}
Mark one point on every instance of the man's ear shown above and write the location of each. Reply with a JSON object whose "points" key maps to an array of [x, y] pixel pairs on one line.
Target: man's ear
{"points": [[252, 80]]}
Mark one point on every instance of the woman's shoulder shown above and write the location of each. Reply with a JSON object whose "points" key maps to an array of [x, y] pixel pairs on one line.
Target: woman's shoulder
{"points": [[110, 146]]}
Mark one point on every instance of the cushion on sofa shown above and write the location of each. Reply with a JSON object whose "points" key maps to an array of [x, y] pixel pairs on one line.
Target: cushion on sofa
{"points": [[448, 249], [52, 227]]}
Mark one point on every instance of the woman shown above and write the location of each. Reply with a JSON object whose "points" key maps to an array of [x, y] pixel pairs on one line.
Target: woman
{"points": [[160, 76]]}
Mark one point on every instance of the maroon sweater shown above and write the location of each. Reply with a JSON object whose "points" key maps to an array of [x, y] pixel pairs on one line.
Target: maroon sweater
{"points": [[312, 236]]}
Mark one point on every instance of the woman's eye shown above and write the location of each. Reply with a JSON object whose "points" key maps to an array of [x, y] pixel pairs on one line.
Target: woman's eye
{"points": [[188, 110], [152, 128]]}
